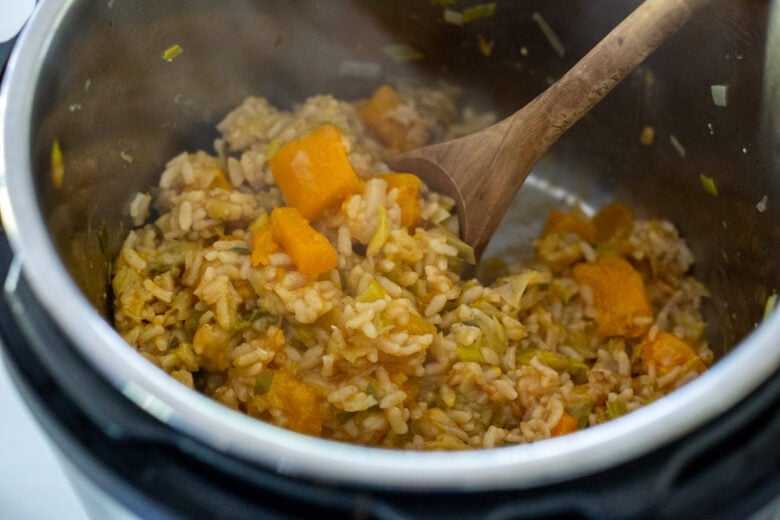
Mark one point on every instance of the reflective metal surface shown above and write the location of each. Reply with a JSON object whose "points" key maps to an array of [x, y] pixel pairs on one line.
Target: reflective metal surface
{"points": [[91, 76]]}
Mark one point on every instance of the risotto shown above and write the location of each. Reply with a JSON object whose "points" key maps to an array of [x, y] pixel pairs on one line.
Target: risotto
{"points": [[292, 277]]}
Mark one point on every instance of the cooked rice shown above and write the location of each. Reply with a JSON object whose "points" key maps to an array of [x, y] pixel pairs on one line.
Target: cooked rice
{"points": [[435, 362]]}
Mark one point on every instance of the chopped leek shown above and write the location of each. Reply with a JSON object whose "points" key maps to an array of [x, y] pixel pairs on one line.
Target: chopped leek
{"points": [[551, 359], [616, 409], [770, 305], [401, 52], [381, 234], [708, 183], [719, 95], [478, 12], [453, 17], [470, 353], [548, 32], [372, 293], [485, 46], [259, 222], [272, 148], [263, 382], [57, 166], [172, 52], [493, 333], [761, 205], [581, 411]]}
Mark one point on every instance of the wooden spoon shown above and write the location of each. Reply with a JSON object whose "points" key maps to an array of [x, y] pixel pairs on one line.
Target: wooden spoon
{"points": [[484, 170]]}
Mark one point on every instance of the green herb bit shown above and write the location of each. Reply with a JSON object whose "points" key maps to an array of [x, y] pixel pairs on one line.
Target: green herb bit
{"points": [[240, 250], [263, 382]]}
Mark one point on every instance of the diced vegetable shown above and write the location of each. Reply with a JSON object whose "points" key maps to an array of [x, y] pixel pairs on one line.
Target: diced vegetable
{"points": [[666, 352], [551, 359], [548, 32], [172, 52], [719, 95], [263, 382], [408, 186], [314, 172], [769, 306], [470, 353], [479, 11], [57, 166], [613, 222], [619, 296], [453, 17], [380, 235], [377, 114], [264, 244], [566, 424], [569, 222], [211, 344], [485, 46], [402, 52], [309, 250], [708, 183], [372, 293], [299, 401], [616, 409]]}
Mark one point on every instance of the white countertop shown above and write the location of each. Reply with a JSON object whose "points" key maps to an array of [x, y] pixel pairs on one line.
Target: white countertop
{"points": [[32, 483]]}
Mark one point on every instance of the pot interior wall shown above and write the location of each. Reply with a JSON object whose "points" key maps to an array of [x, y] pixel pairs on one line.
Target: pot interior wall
{"points": [[119, 111]]}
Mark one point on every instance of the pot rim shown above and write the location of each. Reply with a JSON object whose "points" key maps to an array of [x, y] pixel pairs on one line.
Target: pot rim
{"points": [[289, 453]]}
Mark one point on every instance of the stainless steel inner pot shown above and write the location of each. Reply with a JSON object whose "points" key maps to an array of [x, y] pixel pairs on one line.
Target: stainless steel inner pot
{"points": [[91, 75]]}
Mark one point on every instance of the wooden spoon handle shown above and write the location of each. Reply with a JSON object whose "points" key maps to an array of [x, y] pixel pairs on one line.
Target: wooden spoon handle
{"points": [[597, 73], [516, 144]]}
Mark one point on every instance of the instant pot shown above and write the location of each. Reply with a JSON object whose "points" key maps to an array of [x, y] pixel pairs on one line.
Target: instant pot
{"points": [[91, 75]]}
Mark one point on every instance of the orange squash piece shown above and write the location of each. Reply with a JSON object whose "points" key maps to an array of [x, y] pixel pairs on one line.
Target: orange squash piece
{"points": [[264, 244], [299, 401], [314, 172], [566, 424], [376, 113], [408, 186], [569, 222], [619, 296], [666, 352], [309, 250]]}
